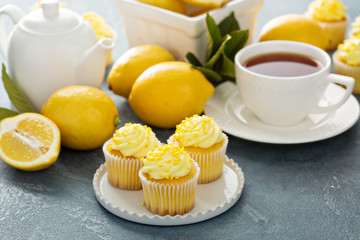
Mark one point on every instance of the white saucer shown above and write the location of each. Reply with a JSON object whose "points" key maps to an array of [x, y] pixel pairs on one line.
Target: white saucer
{"points": [[211, 200], [230, 112]]}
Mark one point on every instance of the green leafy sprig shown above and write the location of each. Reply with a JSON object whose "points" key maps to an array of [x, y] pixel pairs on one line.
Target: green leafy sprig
{"points": [[15, 95], [224, 41]]}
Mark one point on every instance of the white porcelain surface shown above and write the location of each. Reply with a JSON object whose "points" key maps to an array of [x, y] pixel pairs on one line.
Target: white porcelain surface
{"points": [[230, 112], [211, 200], [51, 48], [284, 101], [145, 24]]}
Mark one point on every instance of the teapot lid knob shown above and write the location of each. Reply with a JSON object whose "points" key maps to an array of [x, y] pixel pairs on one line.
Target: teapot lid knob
{"points": [[50, 8]]}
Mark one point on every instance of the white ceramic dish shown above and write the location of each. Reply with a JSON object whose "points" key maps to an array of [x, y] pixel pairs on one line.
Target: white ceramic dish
{"points": [[180, 34], [211, 199], [230, 112]]}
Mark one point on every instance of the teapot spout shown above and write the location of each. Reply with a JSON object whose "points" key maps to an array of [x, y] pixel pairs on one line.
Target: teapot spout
{"points": [[90, 68]]}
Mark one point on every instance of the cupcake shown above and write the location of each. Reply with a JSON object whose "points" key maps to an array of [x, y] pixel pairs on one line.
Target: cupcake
{"points": [[331, 15], [169, 180], [205, 142], [123, 153], [355, 27], [347, 60]]}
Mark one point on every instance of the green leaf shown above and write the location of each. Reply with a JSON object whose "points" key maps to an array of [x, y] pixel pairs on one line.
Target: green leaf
{"points": [[192, 60], [15, 95], [4, 113], [237, 42], [227, 69], [228, 24], [224, 41], [210, 75], [211, 63], [214, 36]]}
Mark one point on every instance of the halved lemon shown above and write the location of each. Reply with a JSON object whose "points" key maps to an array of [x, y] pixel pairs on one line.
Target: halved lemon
{"points": [[207, 3], [29, 141]]}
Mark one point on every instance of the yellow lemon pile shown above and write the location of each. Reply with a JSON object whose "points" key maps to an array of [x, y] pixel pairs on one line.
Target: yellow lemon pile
{"points": [[130, 65], [207, 3], [29, 141], [171, 5], [180, 6], [161, 91]]}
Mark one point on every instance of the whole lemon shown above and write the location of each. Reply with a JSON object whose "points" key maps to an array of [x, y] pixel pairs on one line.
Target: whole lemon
{"points": [[168, 92], [86, 116], [295, 27], [129, 66], [178, 6]]}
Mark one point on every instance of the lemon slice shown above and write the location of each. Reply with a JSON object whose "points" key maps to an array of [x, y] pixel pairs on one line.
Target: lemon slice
{"points": [[29, 141], [206, 3]]}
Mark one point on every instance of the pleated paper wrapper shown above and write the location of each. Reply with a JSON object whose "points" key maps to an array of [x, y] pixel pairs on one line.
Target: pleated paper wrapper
{"points": [[122, 172], [170, 199], [210, 163], [347, 70]]}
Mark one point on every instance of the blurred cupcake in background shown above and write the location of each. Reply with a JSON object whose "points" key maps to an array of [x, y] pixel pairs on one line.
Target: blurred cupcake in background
{"points": [[355, 27], [331, 15], [347, 60]]}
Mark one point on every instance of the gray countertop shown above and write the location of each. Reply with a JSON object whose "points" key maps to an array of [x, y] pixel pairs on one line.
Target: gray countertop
{"points": [[300, 191]]}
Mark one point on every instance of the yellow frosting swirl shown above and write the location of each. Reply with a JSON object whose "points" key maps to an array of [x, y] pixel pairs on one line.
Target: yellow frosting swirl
{"points": [[349, 51], [327, 10], [198, 131], [355, 27], [167, 162], [134, 140]]}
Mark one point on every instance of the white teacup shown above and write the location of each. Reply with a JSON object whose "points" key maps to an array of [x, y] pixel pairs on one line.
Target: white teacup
{"points": [[284, 101]]}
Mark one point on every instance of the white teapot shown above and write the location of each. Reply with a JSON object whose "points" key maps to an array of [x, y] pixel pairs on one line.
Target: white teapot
{"points": [[51, 48]]}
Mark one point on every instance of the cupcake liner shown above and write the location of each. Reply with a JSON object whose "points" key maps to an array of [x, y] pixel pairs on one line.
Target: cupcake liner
{"points": [[334, 30], [347, 70], [170, 199], [211, 164], [122, 172]]}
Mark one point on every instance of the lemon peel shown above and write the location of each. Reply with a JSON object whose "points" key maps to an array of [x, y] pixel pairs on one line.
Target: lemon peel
{"points": [[177, 6], [85, 116], [129, 66], [168, 92], [295, 27], [207, 3]]}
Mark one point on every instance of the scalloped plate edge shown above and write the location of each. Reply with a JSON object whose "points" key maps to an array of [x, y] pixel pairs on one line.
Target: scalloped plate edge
{"points": [[170, 220]]}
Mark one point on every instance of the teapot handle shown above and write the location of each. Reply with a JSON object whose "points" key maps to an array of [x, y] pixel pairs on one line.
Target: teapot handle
{"points": [[15, 14]]}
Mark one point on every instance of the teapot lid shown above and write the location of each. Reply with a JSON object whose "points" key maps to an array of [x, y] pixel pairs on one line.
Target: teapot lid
{"points": [[50, 19]]}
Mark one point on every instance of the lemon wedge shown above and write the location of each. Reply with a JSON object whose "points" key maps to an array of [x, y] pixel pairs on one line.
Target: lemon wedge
{"points": [[29, 141]]}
